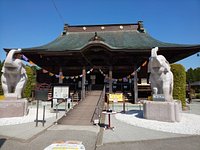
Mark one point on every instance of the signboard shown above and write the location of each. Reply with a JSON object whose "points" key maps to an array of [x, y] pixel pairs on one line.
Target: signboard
{"points": [[117, 97], [158, 97], [68, 145], [60, 92], [41, 94]]}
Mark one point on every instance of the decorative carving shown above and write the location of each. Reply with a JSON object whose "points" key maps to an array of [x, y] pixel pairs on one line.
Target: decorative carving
{"points": [[14, 75], [161, 77]]}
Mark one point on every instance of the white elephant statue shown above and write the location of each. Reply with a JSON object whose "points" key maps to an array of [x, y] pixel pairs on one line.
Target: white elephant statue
{"points": [[161, 77], [14, 76]]}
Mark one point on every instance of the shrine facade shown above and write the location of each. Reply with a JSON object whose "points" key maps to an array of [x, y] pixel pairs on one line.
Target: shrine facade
{"points": [[90, 56]]}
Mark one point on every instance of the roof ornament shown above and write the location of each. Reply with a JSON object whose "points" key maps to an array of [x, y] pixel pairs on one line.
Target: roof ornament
{"points": [[96, 38], [140, 26], [65, 29]]}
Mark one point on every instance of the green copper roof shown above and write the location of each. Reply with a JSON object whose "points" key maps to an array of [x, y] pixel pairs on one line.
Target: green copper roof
{"points": [[129, 39]]}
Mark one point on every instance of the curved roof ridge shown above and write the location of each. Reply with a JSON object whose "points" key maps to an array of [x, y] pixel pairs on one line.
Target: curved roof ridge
{"points": [[115, 40]]}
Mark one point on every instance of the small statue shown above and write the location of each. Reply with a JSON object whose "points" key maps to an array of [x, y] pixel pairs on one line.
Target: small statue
{"points": [[14, 76], [161, 77]]}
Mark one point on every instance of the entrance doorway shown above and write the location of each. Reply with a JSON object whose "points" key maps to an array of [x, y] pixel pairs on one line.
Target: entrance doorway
{"points": [[95, 80]]}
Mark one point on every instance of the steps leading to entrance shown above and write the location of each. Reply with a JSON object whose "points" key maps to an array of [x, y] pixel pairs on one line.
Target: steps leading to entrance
{"points": [[82, 113]]}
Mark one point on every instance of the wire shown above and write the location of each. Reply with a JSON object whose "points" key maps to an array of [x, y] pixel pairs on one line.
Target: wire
{"points": [[59, 14]]}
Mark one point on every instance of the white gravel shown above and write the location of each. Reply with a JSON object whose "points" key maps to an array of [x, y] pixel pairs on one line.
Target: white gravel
{"points": [[25, 119], [189, 124]]}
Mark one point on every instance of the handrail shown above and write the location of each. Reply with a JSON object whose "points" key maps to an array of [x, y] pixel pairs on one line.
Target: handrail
{"points": [[99, 108]]}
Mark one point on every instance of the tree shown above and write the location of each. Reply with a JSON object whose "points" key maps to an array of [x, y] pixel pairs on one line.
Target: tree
{"points": [[197, 74], [193, 75], [189, 75]]}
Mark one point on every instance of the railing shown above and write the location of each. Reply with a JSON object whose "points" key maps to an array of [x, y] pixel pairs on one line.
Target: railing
{"points": [[99, 108]]}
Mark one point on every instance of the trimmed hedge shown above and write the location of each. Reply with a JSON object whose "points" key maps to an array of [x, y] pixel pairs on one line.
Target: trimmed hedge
{"points": [[179, 91], [30, 83]]}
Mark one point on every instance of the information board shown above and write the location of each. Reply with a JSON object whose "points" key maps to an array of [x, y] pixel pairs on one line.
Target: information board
{"points": [[61, 92], [66, 146], [117, 97]]}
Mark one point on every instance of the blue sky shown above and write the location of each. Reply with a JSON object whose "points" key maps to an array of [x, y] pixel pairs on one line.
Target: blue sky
{"points": [[27, 23]]}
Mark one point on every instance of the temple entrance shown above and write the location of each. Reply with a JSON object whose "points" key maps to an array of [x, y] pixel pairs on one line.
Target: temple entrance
{"points": [[95, 80]]}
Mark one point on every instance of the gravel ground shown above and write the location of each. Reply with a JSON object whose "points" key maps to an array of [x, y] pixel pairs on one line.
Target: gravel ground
{"points": [[189, 124]]}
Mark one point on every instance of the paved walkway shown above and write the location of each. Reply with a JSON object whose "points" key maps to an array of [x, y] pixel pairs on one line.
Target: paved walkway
{"points": [[83, 112], [173, 143], [124, 136]]}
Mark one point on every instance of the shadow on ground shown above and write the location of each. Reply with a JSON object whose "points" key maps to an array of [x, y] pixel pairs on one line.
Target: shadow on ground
{"points": [[136, 113], [2, 141]]}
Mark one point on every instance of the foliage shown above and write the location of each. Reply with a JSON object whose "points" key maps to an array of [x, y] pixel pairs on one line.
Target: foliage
{"points": [[193, 75], [179, 91], [30, 71]]}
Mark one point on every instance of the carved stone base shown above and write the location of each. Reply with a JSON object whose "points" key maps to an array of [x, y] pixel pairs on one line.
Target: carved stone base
{"points": [[162, 111], [13, 108]]}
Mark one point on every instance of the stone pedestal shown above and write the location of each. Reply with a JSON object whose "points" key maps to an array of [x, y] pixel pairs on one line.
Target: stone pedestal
{"points": [[10, 96], [162, 111], [13, 108]]}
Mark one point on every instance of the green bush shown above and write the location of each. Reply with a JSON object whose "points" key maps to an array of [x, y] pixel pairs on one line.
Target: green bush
{"points": [[179, 91], [30, 83]]}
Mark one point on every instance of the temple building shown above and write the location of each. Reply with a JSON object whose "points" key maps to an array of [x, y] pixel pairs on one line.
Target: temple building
{"points": [[90, 56]]}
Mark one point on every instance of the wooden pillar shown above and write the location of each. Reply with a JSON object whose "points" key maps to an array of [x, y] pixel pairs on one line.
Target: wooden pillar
{"points": [[135, 85], [60, 75], [110, 80], [83, 83]]}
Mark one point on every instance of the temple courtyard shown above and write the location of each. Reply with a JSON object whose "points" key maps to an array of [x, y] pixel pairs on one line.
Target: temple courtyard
{"points": [[131, 130]]}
